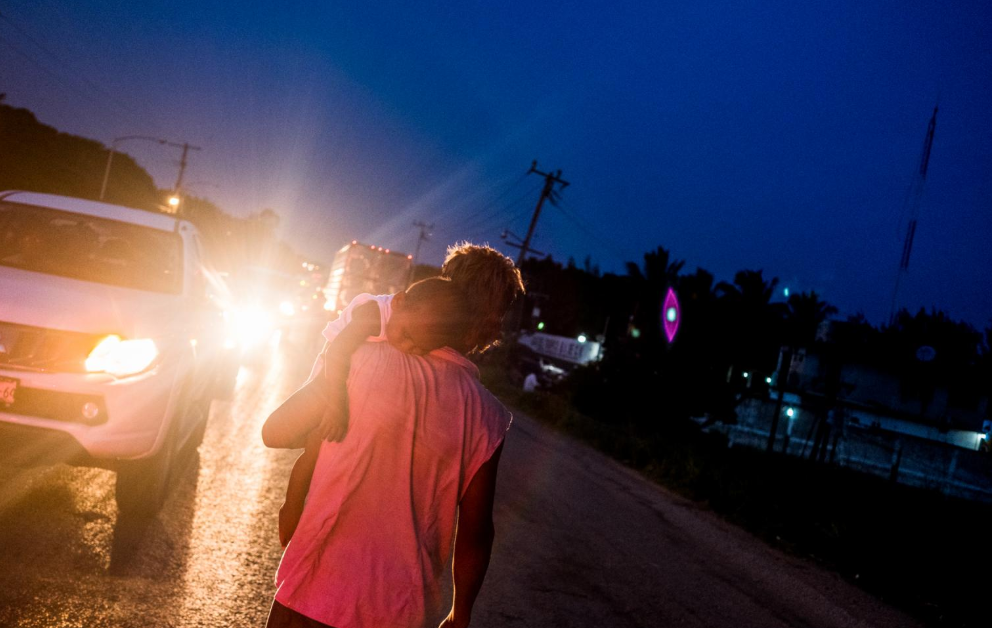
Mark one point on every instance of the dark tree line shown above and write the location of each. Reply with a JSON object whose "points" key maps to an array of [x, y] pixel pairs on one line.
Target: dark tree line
{"points": [[728, 329], [37, 157]]}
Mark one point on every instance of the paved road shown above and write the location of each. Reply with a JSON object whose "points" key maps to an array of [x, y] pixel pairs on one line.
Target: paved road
{"points": [[581, 541]]}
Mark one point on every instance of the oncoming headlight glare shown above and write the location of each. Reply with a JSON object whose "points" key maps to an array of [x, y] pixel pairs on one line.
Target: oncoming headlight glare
{"points": [[121, 357], [252, 326]]}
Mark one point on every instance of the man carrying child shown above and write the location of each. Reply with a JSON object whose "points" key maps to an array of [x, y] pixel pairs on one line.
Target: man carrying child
{"points": [[414, 448]]}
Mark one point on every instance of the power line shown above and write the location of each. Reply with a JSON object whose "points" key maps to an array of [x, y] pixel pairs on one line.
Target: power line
{"points": [[613, 247], [492, 203], [82, 80], [499, 214], [471, 232], [479, 229], [493, 224], [503, 218], [46, 70]]}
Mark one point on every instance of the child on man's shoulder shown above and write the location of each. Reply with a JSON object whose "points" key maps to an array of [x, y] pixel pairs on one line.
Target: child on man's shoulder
{"points": [[463, 309]]}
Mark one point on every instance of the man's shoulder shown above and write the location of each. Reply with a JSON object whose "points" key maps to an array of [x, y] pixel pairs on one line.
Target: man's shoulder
{"points": [[452, 379], [496, 417], [489, 405]]}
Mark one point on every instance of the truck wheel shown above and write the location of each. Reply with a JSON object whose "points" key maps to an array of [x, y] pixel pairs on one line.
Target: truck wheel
{"points": [[142, 485]]}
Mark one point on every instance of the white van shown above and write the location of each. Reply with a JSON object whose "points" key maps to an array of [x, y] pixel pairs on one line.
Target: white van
{"points": [[110, 347]]}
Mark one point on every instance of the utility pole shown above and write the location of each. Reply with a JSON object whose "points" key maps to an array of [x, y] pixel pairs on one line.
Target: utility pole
{"points": [[547, 193], [186, 146], [177, 194], [113, 149], [425, 234], [182, 164]]}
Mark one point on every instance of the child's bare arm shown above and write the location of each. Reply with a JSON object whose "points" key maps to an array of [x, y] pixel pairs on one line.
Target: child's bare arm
{"points": [[333, 423], [297, 489], [290, 424]]}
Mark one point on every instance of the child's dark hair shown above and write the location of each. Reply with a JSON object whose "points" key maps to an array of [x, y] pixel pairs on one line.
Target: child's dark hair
{"points": [[491, 282], [451, 314]]}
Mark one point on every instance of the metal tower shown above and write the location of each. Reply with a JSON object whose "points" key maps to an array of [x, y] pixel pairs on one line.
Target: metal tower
{"points": [[913, 198]]}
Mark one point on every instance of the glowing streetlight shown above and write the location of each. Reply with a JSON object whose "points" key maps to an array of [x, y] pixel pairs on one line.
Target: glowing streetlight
{"points": [[582, 338], [790, 412], [174, 201]]}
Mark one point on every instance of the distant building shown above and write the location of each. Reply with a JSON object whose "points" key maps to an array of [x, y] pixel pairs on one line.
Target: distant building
{"points": [[872, 397]]}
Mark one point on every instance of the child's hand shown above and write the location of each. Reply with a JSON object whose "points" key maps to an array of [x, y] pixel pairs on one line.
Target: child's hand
{"points": [[334, 419], [289, 518]]}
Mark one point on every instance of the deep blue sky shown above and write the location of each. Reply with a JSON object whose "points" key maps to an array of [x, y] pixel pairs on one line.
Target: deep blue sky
{"points": [[775, 135]]}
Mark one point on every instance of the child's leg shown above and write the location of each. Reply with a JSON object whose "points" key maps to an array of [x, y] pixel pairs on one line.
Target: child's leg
{"points": [[296, 491]]}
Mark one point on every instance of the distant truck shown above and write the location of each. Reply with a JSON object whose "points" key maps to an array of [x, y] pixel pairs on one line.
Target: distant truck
{"points": [[549, 358], [572, 351], [359, 268]]}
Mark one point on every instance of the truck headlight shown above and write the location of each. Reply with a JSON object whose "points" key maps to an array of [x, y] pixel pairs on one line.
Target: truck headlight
{"points": [[121, 357]]}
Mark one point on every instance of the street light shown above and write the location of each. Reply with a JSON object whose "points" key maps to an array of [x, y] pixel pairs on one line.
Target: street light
{"points": [[174, 201]]}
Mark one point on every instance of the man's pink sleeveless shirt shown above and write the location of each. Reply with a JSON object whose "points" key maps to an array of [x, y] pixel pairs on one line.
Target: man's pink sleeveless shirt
{"points": [[379, 523]]}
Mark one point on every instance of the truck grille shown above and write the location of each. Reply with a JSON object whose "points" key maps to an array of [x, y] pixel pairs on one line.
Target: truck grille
{"points": [[40, 349]]}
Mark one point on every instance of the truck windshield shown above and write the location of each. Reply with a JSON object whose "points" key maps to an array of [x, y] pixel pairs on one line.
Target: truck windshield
{"points": [[83, 247]]}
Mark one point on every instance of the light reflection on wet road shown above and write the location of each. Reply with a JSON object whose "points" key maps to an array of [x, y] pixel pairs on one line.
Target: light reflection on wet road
{"points": [[208, 558]]}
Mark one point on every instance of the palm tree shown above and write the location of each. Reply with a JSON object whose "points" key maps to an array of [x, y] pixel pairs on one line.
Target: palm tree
{"points": [[753, 321], [756, 325], [660, 271], [806, 312]]}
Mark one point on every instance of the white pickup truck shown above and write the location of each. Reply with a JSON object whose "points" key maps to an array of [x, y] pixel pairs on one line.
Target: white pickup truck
{"points": [[110, 344]]}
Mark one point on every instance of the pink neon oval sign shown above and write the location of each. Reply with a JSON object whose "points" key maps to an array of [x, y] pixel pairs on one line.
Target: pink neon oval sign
{"points": [[671, 315]]}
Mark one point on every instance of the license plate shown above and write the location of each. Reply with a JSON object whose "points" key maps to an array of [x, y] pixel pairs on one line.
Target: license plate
{"points": [[8, 386]]}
